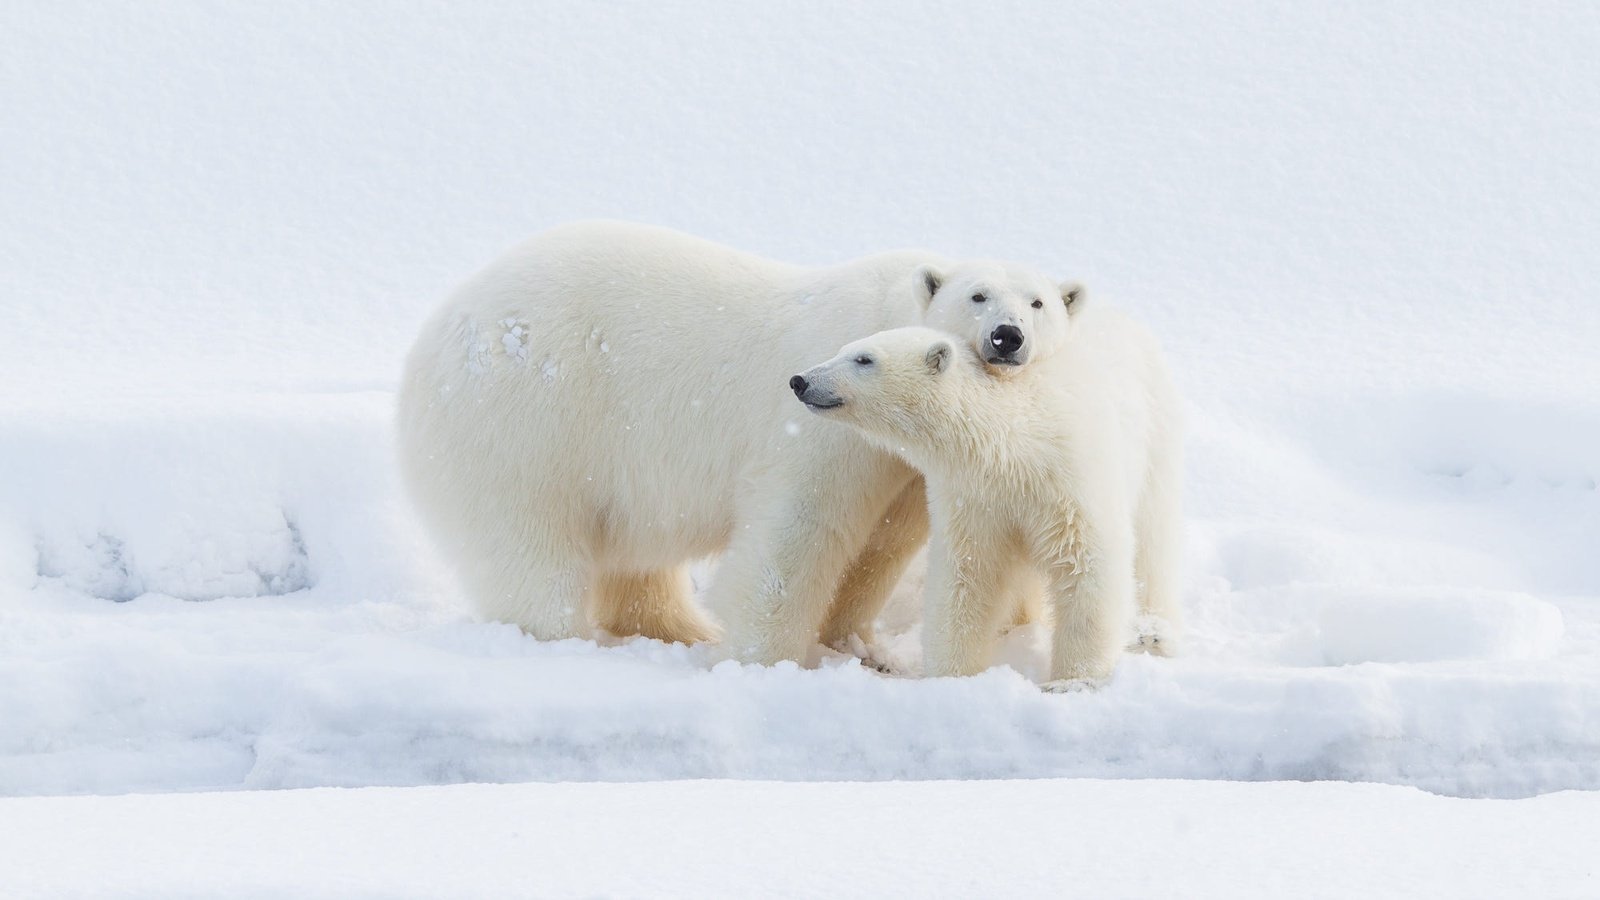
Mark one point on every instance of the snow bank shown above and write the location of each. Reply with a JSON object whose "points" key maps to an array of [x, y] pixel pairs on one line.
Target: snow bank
{"points": [[735, 839], [460, 704], [1426, 627], [371, 674]]}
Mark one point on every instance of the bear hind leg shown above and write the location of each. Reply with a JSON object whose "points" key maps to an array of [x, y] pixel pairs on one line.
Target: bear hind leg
{"points": [[656, 604], [1157, 563]]}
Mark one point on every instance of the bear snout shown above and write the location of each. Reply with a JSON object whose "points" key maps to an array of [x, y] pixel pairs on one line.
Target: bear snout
{"points": [[1006, 340], [816, 397]]}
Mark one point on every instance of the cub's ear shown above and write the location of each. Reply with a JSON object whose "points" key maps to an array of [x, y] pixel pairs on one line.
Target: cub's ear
{"points": [[939, 356], [929, 280], [1073, 295]]}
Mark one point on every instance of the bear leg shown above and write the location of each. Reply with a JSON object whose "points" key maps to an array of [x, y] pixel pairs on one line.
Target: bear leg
{"points": [[790, 550], [866, 585], [545, 595], [656, 604], [969, 596], [1093, 605], [1159, 559]]}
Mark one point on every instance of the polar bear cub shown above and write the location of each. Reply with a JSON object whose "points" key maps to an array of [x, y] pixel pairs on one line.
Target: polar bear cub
{"points": [[1070, 469]]}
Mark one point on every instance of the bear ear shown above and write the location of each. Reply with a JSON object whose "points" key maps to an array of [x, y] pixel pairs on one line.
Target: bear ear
{"points": [[1073, 295], [929, 280], [938, 357]]}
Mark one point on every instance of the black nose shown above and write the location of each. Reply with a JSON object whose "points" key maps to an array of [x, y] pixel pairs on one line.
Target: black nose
{"points": [[798, 385], [1006, 339]]}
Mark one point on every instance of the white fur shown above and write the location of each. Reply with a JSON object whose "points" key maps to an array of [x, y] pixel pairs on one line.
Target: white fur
{"points": [[1069, 471], [1010, 295], [609, 402]]}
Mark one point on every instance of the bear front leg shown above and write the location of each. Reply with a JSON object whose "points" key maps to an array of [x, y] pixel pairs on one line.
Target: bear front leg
{"points": [[792, 541], [777, 587], [1093, 599], [966, 601], [534, 585], [872, 576]]}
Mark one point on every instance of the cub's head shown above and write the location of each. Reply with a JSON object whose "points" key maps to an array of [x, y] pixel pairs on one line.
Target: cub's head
{"points": [[894, 384], [1010, 315]]}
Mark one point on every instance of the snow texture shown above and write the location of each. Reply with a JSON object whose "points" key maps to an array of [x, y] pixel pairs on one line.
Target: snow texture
{"points": [[1365, 234]]}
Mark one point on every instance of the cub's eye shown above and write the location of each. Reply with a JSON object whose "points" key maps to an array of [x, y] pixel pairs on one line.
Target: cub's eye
{"points": [[979, 298], [1037, 303], [863, 360]]}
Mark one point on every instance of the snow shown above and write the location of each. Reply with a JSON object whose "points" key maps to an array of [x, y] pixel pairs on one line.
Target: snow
{"points": [[1405, 626], [722, 839], [1365, 235], [289, 627]]}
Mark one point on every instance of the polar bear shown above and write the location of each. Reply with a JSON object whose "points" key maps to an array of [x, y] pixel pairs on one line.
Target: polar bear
{"points": [[1011, 328], [606, 403], [1069, 472]]}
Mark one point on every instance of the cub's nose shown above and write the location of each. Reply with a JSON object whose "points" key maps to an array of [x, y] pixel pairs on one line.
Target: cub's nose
{"points": [[1007, 339], [798, 384]]}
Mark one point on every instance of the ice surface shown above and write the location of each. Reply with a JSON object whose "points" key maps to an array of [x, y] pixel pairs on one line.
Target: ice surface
{"points": [[1364, 233], [726, 839]]}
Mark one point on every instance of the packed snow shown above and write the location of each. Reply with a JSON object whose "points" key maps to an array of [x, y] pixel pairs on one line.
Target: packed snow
{"points": [[1365, 235], [1057, 838]]}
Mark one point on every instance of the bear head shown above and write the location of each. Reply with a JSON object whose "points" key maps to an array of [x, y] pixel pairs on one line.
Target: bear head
{"points": [[1010, 315], [896, 385]]}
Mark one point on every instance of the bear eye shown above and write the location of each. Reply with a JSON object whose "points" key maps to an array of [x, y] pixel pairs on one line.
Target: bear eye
{"points": [[978, 298], [863, 360], [1037, 303]]}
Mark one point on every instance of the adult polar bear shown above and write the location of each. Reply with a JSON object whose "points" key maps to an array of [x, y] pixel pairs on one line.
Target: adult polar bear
{"points": [[607, 403], [1070, 472]]}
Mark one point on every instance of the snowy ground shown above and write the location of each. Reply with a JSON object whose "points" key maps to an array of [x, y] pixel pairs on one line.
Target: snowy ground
{"points": [[287, 629], [1365, 234], [1084, 838]]}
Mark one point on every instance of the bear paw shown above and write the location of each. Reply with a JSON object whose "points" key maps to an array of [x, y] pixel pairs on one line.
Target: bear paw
{"points": [[1070, 685], [1151, 636], [871, 655]]}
